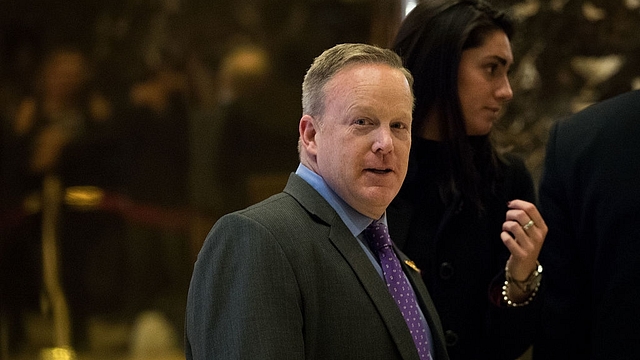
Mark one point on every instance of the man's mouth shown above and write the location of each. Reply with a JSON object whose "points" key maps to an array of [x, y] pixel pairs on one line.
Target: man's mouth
{"points": [[379, 171]]}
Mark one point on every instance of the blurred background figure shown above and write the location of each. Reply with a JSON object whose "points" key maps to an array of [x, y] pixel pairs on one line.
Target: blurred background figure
{"points": [[63, 129], [154, 133], [253, 114]]}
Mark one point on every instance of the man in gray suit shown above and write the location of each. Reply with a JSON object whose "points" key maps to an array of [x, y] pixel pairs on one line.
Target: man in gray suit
{"points": [[293, 277]]}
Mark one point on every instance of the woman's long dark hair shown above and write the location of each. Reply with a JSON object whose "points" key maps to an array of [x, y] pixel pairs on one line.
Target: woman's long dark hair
{"points": [[430, 41]]}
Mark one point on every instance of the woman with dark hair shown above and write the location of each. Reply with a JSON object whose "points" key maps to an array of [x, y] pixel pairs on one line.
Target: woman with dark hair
{"points": [[465, 213]]}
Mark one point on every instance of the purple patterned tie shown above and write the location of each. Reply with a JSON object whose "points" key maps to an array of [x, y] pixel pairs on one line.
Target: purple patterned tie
{"points": [[380, 243]]}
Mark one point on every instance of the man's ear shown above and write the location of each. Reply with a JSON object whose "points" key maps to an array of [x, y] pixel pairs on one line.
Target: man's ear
{"points": [[307, 129]]}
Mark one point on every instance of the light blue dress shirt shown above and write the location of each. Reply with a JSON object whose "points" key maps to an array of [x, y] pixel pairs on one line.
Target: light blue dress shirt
{"points": [[355, 221]]}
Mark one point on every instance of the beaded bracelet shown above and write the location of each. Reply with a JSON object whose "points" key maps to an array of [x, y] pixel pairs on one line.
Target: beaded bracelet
{"points": [[510, 303]]}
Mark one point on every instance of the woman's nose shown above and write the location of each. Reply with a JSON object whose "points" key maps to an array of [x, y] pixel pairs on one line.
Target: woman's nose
{"points": [[504, 91]]}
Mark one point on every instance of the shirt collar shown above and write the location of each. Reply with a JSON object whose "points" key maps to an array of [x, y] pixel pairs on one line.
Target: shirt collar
{"points": [[355, 221]]}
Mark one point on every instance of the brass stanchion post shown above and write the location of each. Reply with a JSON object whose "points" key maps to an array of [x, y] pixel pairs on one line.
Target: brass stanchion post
{"points": [[52, 195]]}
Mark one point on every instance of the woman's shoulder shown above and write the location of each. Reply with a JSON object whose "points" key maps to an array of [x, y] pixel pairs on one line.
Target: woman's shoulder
{"points": [[512, 162], [516, 176]]}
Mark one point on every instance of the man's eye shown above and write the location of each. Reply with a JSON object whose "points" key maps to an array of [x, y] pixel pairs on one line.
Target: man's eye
{"points": [[360, 122]]}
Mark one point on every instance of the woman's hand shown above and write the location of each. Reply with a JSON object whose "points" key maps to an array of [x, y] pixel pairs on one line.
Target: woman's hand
{"points": [[523, 233]]}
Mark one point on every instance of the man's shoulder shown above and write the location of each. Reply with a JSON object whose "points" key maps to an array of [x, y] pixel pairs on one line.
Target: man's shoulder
{"points": [[296, 209], [298, 201], [274, 207], [606, 114]]}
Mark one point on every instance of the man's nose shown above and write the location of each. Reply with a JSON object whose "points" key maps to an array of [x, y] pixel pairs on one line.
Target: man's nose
{"points": [[383, 141]]}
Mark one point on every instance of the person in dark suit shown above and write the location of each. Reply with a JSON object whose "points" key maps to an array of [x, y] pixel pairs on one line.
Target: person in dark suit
{"points": [[466, 211], [293, 277], [590, 197]]}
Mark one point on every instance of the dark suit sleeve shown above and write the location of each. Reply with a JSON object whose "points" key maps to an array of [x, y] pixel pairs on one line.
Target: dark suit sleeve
{"points": [[243, 299], [564, 330], [590, 200]]}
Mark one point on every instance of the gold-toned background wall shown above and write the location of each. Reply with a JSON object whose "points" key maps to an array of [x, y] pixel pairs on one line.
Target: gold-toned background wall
{"points": [[223, 79], [569, 53]]}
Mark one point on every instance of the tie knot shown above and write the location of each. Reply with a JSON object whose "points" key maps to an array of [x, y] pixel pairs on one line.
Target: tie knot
{"points": [[377, 235]]}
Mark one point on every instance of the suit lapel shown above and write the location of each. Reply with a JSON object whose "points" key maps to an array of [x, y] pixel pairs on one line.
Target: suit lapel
{"points": [[348, 246], [375, 286], [424, 298]]}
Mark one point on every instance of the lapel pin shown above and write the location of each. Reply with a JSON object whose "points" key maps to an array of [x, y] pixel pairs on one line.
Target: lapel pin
{"points": [[412, 265]]}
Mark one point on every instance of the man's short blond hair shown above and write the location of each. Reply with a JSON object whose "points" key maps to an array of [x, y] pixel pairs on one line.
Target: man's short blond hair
{"points": [[331, 61]]}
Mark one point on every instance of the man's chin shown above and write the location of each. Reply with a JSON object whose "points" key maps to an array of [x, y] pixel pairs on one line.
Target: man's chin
{"points": [[381, 197]]}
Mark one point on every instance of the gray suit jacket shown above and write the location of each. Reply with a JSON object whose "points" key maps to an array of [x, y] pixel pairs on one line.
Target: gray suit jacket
{"points": [[285, 279]]}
